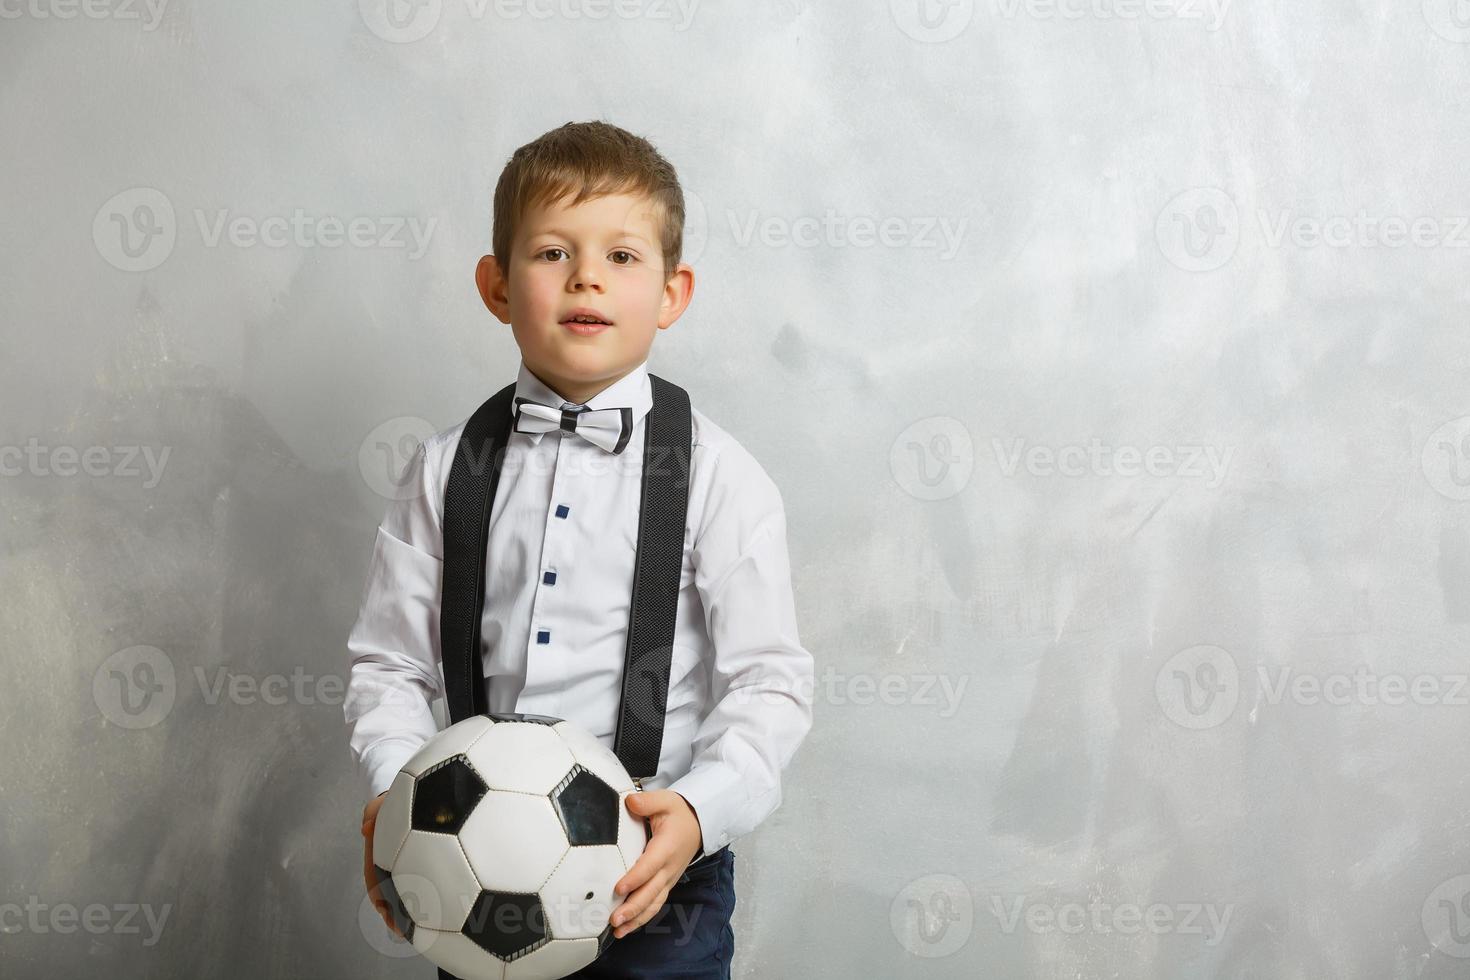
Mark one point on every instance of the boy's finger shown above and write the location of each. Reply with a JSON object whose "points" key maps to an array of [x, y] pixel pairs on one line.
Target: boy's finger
{"points": [[387, 915], [631, 908], [647, 912], [653, 860], [633, 880], [637, 904], [625, 922], [653, 800]]}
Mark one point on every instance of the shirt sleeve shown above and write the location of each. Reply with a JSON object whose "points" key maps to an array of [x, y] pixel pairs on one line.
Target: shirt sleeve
{"points": [[762, 679], [393, 648]]}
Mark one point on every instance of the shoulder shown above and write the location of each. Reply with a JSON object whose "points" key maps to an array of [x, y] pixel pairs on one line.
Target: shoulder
{"points": [[440, 446], [726, 481], [443, 442], [726, 460], [430, 464], [732, 499]]}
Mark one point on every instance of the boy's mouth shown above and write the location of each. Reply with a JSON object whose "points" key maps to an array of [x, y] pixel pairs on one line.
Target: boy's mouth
{"points": [[585, 320]]}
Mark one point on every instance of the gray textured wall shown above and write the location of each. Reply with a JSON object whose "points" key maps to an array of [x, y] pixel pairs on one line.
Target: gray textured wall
{"points": [[1111, 356]]}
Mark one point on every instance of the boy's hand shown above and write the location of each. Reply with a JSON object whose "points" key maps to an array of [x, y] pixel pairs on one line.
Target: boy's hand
{"points": [[676, 839], [369, 821]]}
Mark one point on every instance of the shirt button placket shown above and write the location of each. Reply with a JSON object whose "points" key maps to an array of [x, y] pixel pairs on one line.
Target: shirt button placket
{"points": [[558, 527]]}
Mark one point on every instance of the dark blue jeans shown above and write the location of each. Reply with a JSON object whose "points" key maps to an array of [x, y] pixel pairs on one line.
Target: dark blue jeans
{"points": [[690, 938]]}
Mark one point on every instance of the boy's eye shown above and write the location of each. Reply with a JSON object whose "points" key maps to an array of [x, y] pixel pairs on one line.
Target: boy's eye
{"points": [[554, 251]]}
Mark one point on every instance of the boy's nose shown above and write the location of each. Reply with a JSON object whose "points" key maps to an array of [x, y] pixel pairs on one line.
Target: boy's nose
{"points": [[585, 274]]}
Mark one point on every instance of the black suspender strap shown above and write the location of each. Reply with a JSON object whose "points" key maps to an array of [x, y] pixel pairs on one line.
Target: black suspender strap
{"points": [[467, 499], [667, 446], [663, 512]]}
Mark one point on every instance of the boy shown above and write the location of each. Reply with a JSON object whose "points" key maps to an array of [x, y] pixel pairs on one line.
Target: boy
{"points": [[587, 236]]}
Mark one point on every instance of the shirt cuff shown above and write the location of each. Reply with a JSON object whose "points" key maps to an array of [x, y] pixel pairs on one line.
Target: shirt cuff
{"points": [[699, 853], [715, 792], [382, 761]]}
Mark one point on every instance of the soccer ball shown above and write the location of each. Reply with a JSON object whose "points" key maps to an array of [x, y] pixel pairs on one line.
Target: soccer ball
{"points": [[499, 843]]}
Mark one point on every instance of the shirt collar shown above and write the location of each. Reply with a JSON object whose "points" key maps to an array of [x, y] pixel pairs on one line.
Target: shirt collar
{"points": [[632, 390]]}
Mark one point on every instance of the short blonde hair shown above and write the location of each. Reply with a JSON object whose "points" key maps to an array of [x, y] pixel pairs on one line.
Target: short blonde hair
{"points": [[589, 160]]}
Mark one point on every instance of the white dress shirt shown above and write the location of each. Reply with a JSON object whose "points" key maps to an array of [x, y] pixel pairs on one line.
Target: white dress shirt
{"points": [[563, 538]]}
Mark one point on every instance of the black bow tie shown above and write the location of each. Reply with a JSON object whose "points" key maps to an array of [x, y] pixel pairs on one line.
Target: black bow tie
{"points": [[609, 428]]}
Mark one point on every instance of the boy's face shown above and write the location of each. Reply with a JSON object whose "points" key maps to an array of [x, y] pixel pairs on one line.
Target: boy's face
{"points": [[603, 255]]}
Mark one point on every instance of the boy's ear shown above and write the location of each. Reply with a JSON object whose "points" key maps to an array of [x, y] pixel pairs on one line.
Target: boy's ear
{"points": [[491, 282], [678, 291]]}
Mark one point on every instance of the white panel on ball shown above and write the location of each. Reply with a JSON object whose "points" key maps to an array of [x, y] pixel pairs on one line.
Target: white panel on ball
{"points": [[438, 858], [513, 841], [578, 898], [447, 744], [521, 757]]}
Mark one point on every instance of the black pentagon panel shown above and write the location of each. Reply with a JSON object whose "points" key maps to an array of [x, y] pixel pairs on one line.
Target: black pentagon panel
{"points": [[604, 940], [530, 719], [508, 925], [389, 891], [588, 808], [444, 797]]}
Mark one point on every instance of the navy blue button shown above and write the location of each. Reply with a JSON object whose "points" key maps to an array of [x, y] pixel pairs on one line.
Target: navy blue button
{"points": [[562, 510], [544, 636], [549, 578]]}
